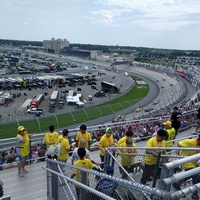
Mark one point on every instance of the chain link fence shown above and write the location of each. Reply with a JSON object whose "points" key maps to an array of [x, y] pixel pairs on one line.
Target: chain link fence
{"points": [[127, 181]]}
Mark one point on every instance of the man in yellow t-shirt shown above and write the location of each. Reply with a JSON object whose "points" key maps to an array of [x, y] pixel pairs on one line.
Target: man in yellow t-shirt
{"points": [[127, 161], [83, 134], [105, 141], [129, 134], [84, 163], [64, 146], [51, 138], [189, 143], [150, 161], [171, 134], [22, 150]]}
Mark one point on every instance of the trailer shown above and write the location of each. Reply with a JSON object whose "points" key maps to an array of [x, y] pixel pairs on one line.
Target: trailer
{"points": [[25, 105], [37, 100]]}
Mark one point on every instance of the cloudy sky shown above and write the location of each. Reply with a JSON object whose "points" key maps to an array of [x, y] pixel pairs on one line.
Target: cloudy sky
{"points": [[169, 24]]}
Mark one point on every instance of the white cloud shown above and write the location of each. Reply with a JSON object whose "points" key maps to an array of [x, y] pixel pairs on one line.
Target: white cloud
{"points": [[155, 15]]}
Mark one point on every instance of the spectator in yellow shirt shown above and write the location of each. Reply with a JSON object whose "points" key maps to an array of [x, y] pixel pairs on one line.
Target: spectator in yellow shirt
{"points": [[64, 146], [171, 134], [150, 161], [22, 149], [84, 163], [127, 161], [105, 141], [189, 143], [51, 138], [129, 134], [85, 135]]}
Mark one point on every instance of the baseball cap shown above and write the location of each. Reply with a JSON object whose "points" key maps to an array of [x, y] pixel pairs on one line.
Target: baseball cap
{"points": [[109, 130], [129, 142], [167, 123], [21, 128]]}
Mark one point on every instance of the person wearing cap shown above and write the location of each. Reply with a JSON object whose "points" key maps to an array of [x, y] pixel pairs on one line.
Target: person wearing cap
{"points": [[64, 146], [127, 161], [23, 149], [171, 134], [129, 134], [189, 143], [85, 135], [106, 140], [51, 138], [176, 117], [150, 160]]}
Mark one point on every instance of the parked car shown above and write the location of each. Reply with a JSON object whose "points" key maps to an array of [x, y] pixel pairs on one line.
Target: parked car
{"points": [[138, 109], [148, 109], [35, 111], [155, 102]]}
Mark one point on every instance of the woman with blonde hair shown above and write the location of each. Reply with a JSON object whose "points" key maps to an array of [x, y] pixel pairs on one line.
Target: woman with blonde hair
{"points": [[82, 144]]}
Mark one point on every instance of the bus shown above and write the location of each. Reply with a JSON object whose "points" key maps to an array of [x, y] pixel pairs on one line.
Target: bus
{"points": [[109, 86], [37, 100], [54, 96]]}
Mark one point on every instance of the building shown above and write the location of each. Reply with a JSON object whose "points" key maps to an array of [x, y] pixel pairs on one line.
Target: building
{"points": [[55, 45]]}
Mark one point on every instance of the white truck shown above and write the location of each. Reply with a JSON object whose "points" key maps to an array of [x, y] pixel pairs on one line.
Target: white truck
{"points": [[34, 111]]}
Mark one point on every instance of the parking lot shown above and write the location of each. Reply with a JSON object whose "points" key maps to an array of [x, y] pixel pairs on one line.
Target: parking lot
{"points": [[12, 111]]}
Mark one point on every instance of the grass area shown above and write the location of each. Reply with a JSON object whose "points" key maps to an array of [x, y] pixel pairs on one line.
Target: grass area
{"points": [[38, 125]]}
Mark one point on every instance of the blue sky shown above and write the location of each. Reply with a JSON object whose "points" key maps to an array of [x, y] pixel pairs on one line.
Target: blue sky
{"points": [[170, 24]]}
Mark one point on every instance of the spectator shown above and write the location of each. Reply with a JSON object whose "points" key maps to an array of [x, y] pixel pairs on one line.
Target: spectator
{"points": [[189, 143], [64, 146], [127, 161], [150, 161], [176, 117], [105, 141], [171, 134], [22, 151], [198, 120], [129, 134], [75, 156], [84, 163], [51, 138], [85, 135], [41, 153]]}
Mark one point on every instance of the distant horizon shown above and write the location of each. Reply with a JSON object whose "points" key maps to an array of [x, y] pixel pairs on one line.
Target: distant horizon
{"points": [[101, 44]]}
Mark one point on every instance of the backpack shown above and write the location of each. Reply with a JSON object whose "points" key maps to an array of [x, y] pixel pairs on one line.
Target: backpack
{"points": [[57, 150]]}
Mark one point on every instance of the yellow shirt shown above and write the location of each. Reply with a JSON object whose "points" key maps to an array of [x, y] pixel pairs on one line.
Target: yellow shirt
{"points": [[121, 141], [171, 135], [152, 142], [85, 163], [51, 138], [27, 144], [105, 142], [86, 136], [125, 159], [21, 147], [189, 143], [64, 148]]}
